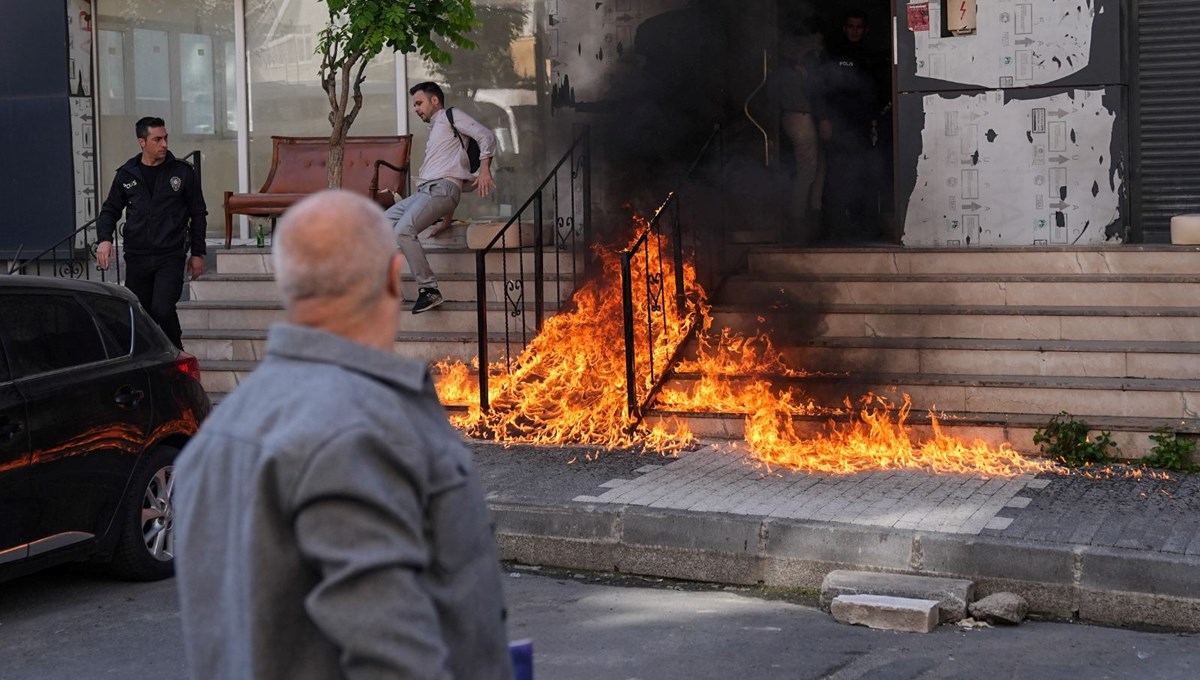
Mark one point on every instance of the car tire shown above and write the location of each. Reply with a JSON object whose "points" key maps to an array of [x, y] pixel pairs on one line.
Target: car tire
{"points": [[145, 550]]}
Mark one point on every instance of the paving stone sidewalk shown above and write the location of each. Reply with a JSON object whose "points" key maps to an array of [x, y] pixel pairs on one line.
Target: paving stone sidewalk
{"points": [[1116, 509]]}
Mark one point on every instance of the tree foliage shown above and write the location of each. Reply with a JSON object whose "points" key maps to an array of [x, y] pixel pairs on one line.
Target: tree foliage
{"points": [[358, 30]]}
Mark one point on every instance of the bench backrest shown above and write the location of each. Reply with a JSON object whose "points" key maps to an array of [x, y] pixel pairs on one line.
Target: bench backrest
{"points": [[298, 164]]}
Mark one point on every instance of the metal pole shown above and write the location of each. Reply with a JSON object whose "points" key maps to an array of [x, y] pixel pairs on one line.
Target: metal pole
{"points": [[627, 303], [481, 310], [677, 235], [539, 266], [587, 199]]}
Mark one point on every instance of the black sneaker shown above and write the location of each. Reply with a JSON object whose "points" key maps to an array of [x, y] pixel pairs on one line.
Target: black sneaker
{"points": [[427, 300]]}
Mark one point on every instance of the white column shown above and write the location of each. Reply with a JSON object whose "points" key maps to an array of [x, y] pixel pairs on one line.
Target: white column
{"points": [[401, 93], [243, 109]]}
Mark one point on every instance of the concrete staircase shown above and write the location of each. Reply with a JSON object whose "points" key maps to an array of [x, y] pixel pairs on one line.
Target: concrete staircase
{"points": [[228, 311], [999, 340], [995, 341]]}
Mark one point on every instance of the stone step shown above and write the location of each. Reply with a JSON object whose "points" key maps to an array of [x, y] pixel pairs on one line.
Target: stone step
{"points": [[221, 376], [881, 612], [461, 287], [952, 595], [1131, 435], [449, 260], [450, 317], [1122, 259], [250, 345], [1162, 290], [1170, 400], [1125, 324], [982, 357]]}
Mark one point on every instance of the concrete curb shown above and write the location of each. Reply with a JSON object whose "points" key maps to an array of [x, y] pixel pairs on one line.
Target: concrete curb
{"points": [[1063, 581]]}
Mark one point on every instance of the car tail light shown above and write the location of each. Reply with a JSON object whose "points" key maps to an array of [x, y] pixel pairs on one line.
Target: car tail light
{"points": [[188, 365]]}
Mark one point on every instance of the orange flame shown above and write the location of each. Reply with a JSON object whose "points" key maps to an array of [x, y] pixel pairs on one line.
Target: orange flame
{"points": [[568, 386]]}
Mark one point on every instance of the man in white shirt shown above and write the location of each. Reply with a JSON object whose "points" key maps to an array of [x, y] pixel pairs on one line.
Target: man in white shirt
{"points": [[443, 175]]}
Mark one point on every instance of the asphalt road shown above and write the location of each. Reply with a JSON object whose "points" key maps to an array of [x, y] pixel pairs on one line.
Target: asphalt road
{"points": [[70, 624]]}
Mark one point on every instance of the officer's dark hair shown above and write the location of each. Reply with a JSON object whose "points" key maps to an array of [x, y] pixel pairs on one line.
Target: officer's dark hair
{"points": [[142, 127], [857, 14], [430, 88]]}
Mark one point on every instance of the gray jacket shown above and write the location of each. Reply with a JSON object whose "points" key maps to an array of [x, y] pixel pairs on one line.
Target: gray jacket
{"points": [[330, 523]]}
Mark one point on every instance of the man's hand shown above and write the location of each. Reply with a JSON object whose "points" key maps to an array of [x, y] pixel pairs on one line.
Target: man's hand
{"points": [[825, 129], [196, 265], [104, 251], [484, 184], [443, 225]]}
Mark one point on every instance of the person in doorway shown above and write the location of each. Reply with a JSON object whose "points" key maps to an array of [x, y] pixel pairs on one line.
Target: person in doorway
{"points": [[849, 106], [165, 217], [329, 520], [796, 89], [444, 174]]}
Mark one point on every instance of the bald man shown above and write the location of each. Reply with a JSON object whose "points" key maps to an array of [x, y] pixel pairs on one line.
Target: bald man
{"points": [[329, 521]]}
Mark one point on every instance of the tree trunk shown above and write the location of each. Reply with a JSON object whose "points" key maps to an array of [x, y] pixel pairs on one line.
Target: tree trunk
{"points": [[337, 152]]}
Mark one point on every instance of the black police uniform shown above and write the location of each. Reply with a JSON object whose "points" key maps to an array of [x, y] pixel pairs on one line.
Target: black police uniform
{"points": [[165, 216]]}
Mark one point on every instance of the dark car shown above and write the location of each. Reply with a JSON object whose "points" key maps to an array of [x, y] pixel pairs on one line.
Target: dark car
{"points": [[95, 403]]}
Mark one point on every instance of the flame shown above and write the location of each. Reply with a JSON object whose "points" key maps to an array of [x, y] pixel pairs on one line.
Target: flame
{"points": [[568, 386]]}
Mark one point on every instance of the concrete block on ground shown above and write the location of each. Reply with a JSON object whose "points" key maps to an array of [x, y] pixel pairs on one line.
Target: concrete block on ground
{"points": [[883, 612], [1007, 608], [952, 595]]}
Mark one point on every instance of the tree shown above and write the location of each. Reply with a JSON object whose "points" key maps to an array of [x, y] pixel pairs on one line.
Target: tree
{"points": [[358, 30]]}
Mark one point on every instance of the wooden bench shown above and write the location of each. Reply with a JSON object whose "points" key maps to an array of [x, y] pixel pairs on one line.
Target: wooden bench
{"points": [[376, 166]]}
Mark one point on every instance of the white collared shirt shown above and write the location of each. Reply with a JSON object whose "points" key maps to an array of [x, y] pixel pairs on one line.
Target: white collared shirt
{"points": [[445, 156]]}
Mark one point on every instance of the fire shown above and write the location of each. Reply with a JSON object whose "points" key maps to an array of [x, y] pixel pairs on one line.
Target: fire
{"points": [[568, 386], [569, 383]]}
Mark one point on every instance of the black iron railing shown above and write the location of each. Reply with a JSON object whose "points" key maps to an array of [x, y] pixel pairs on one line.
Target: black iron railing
{"points": [[658, 315], [522, 250], [74, 255]]}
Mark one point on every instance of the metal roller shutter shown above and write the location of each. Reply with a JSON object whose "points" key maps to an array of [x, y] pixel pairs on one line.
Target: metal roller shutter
{"points": [[1167, 132]]}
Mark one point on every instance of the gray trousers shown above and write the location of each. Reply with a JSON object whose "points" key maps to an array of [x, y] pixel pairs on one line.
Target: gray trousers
{"points": [[801, 129], [426, 206]]}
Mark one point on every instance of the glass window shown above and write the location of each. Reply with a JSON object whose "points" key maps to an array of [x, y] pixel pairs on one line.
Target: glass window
{"points": [[4, 374], [177, 63], [196, 81], [116, 318], [150, 337], [285, 93], [496, 83], [112, 73], [152, 73], [230, 87], [44, 333]]}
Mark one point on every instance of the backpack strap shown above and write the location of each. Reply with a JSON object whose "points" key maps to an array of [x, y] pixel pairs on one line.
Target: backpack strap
{"points": [[457, 135]]}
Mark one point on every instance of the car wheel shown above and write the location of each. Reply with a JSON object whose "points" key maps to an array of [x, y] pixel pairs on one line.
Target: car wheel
{"points": [[146, 549]]}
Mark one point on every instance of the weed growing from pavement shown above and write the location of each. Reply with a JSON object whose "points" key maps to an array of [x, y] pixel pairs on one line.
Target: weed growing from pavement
{"points": [[1170, 452], [1066, 440]]}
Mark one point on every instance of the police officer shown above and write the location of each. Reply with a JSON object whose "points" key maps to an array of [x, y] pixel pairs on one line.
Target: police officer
{"points": [[165, 216], [848, 107]]}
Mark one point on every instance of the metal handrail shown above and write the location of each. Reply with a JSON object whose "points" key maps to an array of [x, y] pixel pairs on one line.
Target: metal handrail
{"points": [[70, 267], [569, 236], [635, 403]]}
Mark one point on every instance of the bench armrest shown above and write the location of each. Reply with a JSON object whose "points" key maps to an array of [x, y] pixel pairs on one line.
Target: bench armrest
{"points": [[374, 189]]}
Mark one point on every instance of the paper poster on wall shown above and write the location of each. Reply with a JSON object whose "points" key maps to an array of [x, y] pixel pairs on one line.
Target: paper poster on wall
{"points": [[1013, 173], [960, 17], [918, 17], [1005, 44]]}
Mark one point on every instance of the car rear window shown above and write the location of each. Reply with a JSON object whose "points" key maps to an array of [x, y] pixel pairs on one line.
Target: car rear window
{"points": [[4, 376], [43, 333], [116, 318]]}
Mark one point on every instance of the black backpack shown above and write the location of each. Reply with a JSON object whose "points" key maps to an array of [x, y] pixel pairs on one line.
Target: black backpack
{"points": [[471, 146]]}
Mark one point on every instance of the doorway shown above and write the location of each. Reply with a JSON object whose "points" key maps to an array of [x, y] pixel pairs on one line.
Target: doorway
{"points": [[835, 92]]}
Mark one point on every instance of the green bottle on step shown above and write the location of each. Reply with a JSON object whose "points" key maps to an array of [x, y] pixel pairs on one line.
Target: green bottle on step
{"points": [[260, 239]]}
